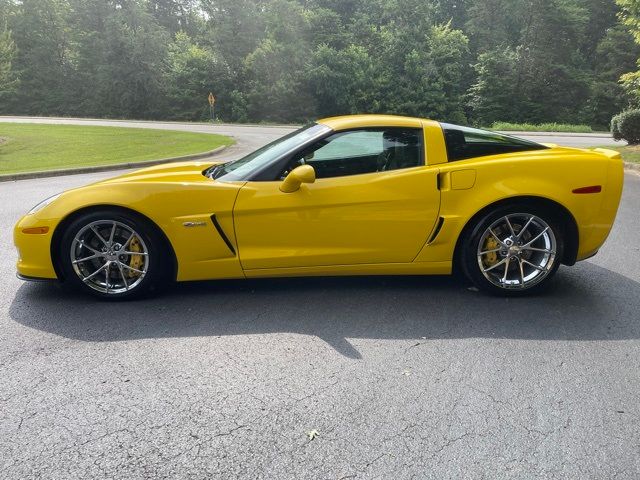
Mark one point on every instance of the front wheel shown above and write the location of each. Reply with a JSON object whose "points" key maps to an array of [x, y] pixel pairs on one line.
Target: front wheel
{"points": [[112, 254], [513, 250]]}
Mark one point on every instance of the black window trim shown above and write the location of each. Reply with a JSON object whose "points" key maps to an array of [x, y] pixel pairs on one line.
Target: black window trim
{"points": [[533, 146]]}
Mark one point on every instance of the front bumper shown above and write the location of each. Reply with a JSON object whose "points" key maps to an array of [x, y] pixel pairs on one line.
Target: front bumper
{"points": [[34, 250]]}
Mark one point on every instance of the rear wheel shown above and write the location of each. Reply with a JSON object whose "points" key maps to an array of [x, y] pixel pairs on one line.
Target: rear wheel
{"points": [[513, 250], [112, 254]]}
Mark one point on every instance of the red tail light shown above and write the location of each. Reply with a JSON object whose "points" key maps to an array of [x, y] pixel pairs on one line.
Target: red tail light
{"points": [[591, 189]]}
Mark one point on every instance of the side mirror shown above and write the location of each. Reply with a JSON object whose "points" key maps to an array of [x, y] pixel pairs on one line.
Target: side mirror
{"points": [[298, 176]]}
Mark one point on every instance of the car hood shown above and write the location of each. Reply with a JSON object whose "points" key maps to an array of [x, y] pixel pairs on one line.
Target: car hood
{"points": [[179, 172]]}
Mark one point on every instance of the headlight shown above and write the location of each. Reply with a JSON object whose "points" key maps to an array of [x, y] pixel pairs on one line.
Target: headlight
{"points": [[43, 204]]}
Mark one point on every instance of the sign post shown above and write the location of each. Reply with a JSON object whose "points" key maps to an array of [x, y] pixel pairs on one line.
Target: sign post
{"points": [[212, 106]]}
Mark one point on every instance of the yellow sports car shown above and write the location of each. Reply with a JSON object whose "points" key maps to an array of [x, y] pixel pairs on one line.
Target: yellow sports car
{"points": [[352, 195]]}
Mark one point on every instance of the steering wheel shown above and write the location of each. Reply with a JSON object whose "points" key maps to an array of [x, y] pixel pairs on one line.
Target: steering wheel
{"points": [[293, 165], [384, 161]]}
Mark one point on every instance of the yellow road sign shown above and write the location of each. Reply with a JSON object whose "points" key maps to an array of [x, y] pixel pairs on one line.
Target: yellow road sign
{"points": [[212, 99]]}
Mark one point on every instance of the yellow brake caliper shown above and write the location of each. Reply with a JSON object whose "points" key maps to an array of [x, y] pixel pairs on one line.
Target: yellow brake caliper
{"points": [[490, 258], [135, 261]]}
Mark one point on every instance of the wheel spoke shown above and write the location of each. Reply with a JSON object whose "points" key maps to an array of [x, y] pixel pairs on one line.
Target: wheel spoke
{"points": [[130, 268], [506, 269], [521, 272], [533, 249], [111, 235], [124, 278], [524, 229], [86, 279], [106, 277], [536, 238], [533, 265], [513, 233], [490, 251], [84, 245], [496, 237], [95, 230], [90, 257], [144, 254], [495, 266], [126, 244]]}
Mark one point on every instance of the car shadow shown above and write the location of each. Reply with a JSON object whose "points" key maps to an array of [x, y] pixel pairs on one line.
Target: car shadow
{"points": [[583, 303]]}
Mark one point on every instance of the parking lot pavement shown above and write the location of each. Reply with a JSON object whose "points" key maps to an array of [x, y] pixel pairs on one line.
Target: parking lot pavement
{"points": [[397, 377]]}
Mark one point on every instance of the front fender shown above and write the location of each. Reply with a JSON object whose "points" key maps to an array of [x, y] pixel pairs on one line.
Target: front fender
{"points": [[183, 211]]}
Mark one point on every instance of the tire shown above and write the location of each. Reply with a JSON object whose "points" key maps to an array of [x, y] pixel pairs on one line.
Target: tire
{"points": [[113, 255], [512, 250]]}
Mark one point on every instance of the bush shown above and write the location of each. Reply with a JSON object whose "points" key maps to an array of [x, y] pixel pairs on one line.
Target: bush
{"points": [[615, 127], [626, 126]]}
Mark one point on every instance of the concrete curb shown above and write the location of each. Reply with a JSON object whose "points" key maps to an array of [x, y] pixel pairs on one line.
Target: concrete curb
{"points": [[107, 168]]}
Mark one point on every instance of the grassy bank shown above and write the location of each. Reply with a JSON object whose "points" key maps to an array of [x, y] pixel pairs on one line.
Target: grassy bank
{"points": [[542, 127], [29, 148]]}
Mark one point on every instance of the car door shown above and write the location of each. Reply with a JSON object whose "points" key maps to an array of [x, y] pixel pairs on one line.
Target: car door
{"points": [[373, 202]]}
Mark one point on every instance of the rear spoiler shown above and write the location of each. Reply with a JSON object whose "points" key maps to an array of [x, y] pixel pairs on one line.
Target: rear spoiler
{"points": [[608, 153]]}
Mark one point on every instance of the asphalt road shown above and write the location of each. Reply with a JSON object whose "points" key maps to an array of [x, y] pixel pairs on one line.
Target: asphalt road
{"points": [[400, 377]]}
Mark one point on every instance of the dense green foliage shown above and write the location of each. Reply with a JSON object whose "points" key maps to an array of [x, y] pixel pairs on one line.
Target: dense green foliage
{"points": [[475, 61], [30, 148], [8, 80], [630, 16], [626, 126]]}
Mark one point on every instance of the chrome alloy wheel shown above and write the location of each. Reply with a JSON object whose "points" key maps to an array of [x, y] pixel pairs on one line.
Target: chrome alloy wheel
{"points": [[517, 251], [109, 256]]}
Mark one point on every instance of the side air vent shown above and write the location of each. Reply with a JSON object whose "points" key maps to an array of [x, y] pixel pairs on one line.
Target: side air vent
{"points": [[436, 231], [222, 234]]}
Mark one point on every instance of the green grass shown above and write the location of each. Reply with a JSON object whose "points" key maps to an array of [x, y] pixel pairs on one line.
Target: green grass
{"points": [[29, 148], [542, 127], [630, 153]]}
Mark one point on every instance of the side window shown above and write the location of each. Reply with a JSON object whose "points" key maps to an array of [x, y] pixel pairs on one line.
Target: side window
{"points": [[465, 142], [362, 151], [362, 143]]}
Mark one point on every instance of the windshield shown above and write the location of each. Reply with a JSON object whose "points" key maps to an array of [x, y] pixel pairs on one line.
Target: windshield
{"points": [[242, 168]]}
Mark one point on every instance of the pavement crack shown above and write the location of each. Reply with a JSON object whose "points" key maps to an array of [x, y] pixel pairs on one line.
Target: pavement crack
{"points": [[230, 432]]}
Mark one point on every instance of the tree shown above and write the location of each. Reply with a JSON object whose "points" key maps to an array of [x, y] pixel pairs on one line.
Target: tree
{"points": [[126, 53], [432, 80], [344, 81], [291, 60], [175, 15], [276, 88], [630, 16], [8, 78], [615, 55], [42, 61], [497, 94], [190, 73], [539, 67]]}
